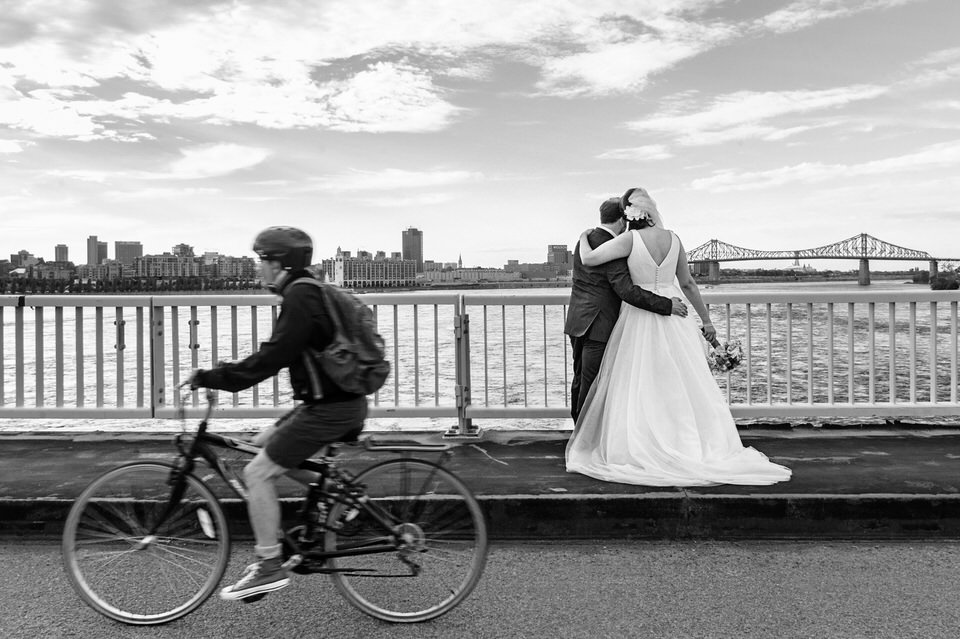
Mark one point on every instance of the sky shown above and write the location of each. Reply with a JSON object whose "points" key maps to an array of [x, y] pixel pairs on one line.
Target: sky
{"points": [[495, 127]]}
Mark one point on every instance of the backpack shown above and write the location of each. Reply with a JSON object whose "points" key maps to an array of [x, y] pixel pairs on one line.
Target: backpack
{"points": [[354, 360]]}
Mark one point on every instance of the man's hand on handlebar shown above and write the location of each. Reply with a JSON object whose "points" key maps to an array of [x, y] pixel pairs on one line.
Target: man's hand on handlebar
{"points": [[194, 380]]}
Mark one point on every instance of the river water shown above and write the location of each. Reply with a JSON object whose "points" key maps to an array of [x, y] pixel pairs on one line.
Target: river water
{"points": [[519, 357]]}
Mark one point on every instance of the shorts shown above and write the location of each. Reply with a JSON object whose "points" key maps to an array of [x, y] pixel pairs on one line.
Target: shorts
{"points": [[299, 434]]}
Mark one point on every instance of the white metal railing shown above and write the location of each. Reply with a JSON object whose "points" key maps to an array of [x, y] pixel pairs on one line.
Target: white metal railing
{"points": [[478, 355]]}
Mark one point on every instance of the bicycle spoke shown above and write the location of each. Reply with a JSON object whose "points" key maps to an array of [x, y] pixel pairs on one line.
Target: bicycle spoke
{"points": [[136, 578], [432, 579]]}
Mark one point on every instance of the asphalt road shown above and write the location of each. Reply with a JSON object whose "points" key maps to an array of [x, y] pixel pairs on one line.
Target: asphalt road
{"points": [[580, 589]]}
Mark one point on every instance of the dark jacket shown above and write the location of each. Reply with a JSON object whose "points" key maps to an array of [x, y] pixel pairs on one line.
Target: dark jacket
{"points": [[303, 321], [597, 291]]}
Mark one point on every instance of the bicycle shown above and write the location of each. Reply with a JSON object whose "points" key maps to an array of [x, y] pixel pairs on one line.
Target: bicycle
{"points": [[404, 540]]}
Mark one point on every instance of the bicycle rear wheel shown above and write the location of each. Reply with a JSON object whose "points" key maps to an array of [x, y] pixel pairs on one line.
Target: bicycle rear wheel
{"points": [[124, 573], [440, 540]]}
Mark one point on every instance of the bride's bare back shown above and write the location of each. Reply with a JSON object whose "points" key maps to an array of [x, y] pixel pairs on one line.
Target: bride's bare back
{"points": [[657, 241]]}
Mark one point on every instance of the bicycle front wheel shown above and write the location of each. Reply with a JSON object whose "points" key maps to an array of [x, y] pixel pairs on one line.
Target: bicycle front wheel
{"points": [[127, 574], [436, 534]]}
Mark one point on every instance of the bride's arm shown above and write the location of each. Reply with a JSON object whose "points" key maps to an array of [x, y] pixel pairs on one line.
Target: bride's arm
{"points": [[618, 247], [692, 292]]}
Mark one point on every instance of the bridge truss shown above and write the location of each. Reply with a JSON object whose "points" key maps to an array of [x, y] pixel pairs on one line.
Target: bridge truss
{"points": [[862, 246]]}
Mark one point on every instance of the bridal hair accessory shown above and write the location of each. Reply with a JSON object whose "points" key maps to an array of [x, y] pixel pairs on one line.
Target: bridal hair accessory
{"points": [[637, 205], [635, 215], [725, 357]]}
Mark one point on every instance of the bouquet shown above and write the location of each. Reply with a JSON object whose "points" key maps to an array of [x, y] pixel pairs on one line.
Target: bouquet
{"points": [[723, 358]]}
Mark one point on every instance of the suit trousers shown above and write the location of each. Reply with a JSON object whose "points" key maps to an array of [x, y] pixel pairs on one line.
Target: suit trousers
{"points": [[587, 355]]}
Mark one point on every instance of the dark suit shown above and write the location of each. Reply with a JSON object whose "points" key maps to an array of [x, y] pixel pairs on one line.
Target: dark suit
{"points": [[594, 309]]}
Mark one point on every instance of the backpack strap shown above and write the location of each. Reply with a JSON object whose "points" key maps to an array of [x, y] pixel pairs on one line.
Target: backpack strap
{"points": [[309, 357], [324, 292]]}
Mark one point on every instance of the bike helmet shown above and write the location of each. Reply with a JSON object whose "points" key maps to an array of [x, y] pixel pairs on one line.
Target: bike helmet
{"points": [[285, 244]]}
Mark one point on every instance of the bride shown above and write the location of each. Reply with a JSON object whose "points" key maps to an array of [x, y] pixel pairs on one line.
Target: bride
{"points": [[655, 415]]}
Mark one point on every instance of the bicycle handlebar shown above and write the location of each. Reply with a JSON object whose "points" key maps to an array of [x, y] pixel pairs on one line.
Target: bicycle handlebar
{"points": [[211, 398]]}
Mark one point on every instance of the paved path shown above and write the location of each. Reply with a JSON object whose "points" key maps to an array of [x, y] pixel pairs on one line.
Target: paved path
{"points": [[715, 590], [846, 483]]}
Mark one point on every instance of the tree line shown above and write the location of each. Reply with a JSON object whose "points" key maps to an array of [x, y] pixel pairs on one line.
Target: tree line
{"points": [[47, 286]]}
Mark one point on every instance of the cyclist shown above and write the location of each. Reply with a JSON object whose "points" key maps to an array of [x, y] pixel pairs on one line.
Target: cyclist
{"points": [[285, 253]]}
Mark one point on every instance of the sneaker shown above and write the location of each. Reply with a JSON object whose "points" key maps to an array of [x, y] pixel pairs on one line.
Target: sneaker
{"points": [[260, 578]]}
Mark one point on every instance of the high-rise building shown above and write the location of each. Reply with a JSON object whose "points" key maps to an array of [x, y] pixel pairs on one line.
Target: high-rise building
{"points": [[558, 254], [93, 250], [167, 265], [60, 253], [23, 258], [365, 272], [127, 252], [413, 247], [183, 250]]}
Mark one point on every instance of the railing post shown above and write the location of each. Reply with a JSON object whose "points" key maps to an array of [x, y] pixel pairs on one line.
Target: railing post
{"points": [[461, 332], [18, 350], [157, 375]]}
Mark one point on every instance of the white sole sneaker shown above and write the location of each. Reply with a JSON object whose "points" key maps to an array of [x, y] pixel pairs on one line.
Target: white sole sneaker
{"points": [[261, 589]]}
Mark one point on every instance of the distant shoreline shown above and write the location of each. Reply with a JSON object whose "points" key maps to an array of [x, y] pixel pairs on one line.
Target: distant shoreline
{"points": [[735, 279], [474, 286]]}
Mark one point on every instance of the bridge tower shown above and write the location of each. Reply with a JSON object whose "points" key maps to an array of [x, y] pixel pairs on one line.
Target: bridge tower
{"points": [[713, 274], [864, 278], [934, 271]]}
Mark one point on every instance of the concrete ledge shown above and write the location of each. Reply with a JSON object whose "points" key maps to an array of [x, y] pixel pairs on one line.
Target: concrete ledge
{"points": [[679, 516], [643, 516]]}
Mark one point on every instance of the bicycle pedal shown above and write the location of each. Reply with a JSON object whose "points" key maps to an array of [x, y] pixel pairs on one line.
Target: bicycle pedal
{"points": [[253, 598]]}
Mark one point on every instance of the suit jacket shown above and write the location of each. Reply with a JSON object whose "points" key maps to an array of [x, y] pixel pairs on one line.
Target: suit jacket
{"points": [[597, 291]]}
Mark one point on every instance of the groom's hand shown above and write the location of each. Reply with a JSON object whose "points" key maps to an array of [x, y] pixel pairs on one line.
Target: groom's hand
{"points": [[679, 308]]}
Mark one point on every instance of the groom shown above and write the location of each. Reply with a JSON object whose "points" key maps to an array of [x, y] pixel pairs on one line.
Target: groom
{"points": [[595, 304]]}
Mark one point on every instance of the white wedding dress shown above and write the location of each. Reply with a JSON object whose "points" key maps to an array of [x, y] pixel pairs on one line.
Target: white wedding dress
{"points": [[655, 415]]}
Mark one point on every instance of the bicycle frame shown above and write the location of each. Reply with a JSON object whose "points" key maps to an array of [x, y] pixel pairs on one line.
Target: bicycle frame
{"points": [[202, 447], [410, 517]]}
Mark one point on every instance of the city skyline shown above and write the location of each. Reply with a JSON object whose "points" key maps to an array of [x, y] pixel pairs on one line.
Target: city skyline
{"points": [[102, 246], [496, 129], [552, 252]]}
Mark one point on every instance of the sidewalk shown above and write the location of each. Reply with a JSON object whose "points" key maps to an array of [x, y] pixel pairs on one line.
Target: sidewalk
{"points": [[847, 483]]}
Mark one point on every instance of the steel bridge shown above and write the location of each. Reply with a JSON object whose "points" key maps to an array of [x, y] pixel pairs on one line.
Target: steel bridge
{"points": [[863, 247]]}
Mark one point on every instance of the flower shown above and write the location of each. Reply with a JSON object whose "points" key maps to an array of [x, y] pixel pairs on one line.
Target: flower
{"points": [[723, 358], [640, 206], [635, 214]]}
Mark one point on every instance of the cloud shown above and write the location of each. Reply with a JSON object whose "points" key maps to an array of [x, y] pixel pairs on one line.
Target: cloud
{"points": [[936, 68], [159, 194], [195, 163], [639, 153], [946, 105], [618, 63], [11, 146], [390, 180], [47, 115], [942, 155], [741, 115], [805, 13], [425, 199], [343, 65], [388, 97], [214, 160]]}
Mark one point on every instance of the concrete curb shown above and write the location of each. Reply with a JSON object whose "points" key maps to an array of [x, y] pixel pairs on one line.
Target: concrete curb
{"points": [[697, 516], [681, 515]]}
